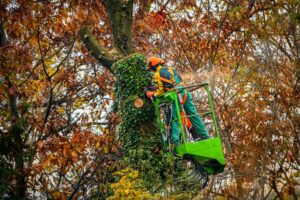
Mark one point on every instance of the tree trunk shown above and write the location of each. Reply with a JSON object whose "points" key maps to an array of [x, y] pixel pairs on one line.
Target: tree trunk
{"points": [[120, 18], [20, 188], [14, 138], [138, 133]]}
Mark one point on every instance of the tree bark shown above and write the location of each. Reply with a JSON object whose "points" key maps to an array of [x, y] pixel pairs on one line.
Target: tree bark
{"points": [[138, 134], [120, 18], [2, 35], [97, 51]]}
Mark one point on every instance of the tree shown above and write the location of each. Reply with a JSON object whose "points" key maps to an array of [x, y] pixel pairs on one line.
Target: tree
{"points": [[138, 133], [49, 145]]}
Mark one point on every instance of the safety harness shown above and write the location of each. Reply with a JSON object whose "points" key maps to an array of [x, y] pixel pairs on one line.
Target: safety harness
{"points": [[185, 120], [173, 82]]}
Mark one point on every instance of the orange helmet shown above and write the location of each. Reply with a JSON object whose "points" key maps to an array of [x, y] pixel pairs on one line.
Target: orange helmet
{"points": [[153, 61]]}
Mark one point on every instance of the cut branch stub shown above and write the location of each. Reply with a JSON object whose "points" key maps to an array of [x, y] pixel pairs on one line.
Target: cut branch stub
{"points": [[139, 102]]}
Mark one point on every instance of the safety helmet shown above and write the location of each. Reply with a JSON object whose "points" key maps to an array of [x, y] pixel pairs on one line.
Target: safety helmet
{"points": [[154, 61]]}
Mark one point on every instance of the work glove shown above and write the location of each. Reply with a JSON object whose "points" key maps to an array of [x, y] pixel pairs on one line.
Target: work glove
{"points": [[150, 94]]}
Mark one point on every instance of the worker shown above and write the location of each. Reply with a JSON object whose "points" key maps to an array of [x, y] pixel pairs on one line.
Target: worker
{"points": [[166, 78]]}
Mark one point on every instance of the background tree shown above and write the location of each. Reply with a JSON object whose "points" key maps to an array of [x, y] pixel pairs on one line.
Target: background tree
{"points": [[50, 142]]}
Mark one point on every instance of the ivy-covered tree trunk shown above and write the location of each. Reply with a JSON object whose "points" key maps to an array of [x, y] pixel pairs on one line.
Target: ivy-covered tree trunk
{"points": [[138, 132]]}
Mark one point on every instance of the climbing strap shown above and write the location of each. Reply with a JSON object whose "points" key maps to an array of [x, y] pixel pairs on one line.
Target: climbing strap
{"points": [[172, 73], [173, 82], [186, 122], [184, 98], [165, 80]]}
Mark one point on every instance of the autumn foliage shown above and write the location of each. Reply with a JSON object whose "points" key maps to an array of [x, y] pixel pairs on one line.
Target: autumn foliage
{"points": [[57, 125]]}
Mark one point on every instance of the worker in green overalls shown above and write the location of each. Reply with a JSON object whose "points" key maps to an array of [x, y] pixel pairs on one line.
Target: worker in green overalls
{"points": [[166, 78]]}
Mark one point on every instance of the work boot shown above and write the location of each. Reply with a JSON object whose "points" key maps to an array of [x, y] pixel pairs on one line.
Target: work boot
{"points": [[196, 136], [194, 133]]}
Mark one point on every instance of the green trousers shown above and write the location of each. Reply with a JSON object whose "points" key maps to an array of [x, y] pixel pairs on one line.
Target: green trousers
{"points": [[196, 121]]}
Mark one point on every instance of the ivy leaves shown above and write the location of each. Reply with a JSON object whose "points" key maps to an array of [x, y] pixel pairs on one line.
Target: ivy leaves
{"points": [[138, 133]]}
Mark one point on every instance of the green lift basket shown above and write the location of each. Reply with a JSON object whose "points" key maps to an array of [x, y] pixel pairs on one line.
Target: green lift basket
{"points": [[208, 153]]}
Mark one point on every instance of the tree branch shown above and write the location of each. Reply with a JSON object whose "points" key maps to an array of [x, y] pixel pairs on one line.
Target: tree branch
{"points": [[99, 52], [120, 18], [2, 35], [144, 8]]}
